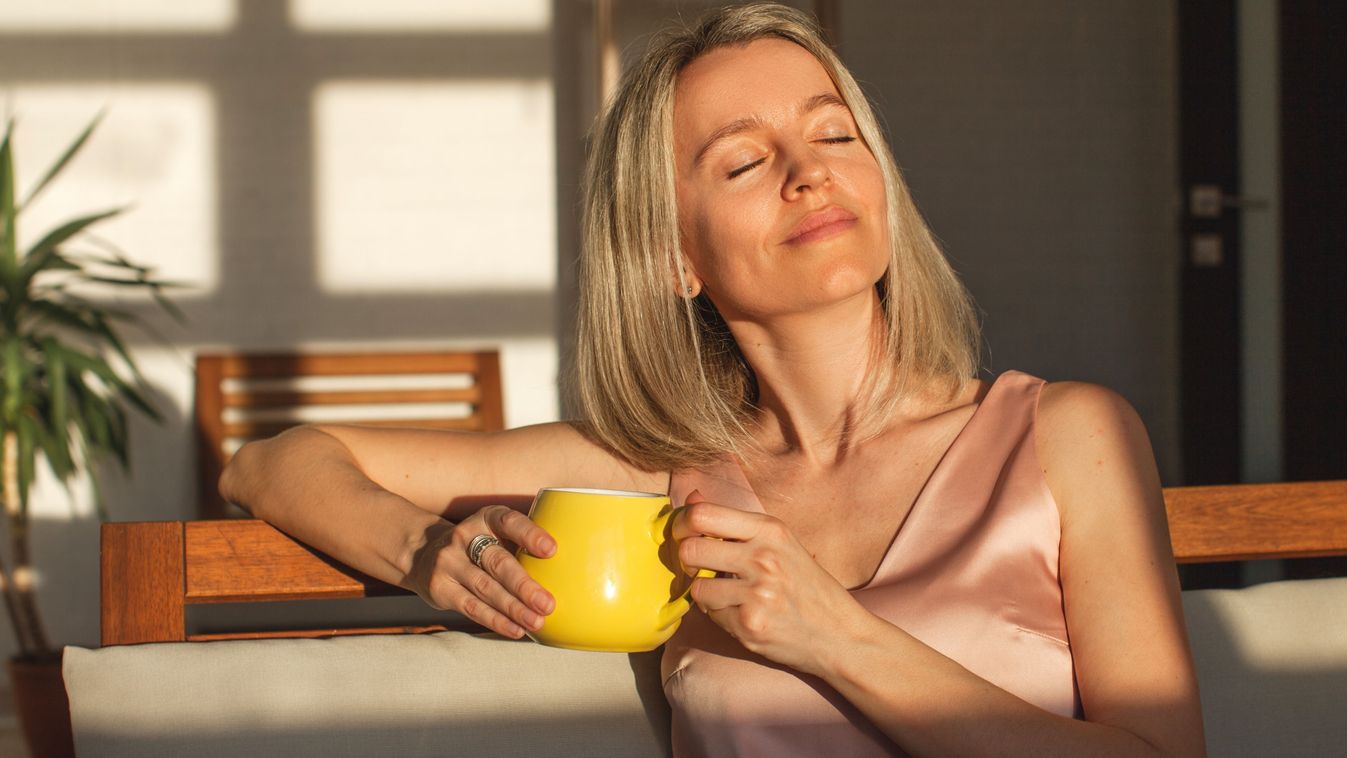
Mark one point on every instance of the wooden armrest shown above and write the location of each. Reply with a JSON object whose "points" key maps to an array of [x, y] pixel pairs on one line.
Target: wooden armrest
{"points": [[152, 570], [1241, 522]]}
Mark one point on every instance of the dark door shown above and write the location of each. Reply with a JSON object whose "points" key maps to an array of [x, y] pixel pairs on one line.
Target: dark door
{"points": [[1312, 152], [1209, 270], [1314, 243], [1314, 236]]}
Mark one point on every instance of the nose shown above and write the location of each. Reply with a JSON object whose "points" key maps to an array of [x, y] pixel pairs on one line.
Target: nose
{"points": [[806, 172]]}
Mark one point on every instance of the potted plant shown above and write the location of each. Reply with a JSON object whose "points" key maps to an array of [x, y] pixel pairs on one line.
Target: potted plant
{"points": [[67, 382]]}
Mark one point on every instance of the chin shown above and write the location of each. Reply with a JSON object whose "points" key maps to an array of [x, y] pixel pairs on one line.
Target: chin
{"points": [[843, 282]]}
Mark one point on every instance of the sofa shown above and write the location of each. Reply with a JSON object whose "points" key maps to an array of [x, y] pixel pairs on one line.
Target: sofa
{"points": [[1271, 660]]}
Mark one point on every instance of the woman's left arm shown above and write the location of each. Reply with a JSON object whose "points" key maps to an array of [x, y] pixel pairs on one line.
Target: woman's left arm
{"points": [[1137, 684]]}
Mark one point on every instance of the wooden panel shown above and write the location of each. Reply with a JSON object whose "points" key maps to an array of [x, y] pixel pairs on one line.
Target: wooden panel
{"points": [[292, 398], [210, 455], [1252, 521], [491, 409], [141, 583], [245, 560], [252, 430], [484, 397], [281, 365]]}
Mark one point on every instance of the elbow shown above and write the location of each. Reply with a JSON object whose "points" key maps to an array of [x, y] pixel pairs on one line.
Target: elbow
{"points": [[250, 479], [233, 482]]}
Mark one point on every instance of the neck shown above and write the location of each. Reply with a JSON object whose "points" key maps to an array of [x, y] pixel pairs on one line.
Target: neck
{"points": [[811, 369]]}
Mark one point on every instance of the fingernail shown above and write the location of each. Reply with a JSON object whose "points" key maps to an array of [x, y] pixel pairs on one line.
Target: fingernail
{"points": [[545, 604], [534, 621], [549, 546]]}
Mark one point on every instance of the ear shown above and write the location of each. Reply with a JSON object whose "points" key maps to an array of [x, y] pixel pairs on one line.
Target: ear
{"points": [[686, 283]]}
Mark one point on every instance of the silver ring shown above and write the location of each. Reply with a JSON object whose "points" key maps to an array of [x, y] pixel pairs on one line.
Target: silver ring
{"points": [[478, 546]]}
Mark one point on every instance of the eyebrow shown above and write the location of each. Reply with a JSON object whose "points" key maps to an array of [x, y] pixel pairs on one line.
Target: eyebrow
{"points": [[739, 126]]}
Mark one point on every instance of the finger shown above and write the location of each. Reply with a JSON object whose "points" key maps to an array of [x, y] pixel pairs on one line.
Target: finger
{"points": [[485, 587], [507, 571], [718, 594], [696, 553], [509, 524], [482, 613], [713, 520]]}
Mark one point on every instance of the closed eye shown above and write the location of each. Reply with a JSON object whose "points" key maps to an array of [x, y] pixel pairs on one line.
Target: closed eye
{"points": [[746, 168], [750, 166]]}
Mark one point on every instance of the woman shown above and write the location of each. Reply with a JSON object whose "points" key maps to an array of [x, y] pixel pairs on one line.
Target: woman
{"points": [[909, 559]]}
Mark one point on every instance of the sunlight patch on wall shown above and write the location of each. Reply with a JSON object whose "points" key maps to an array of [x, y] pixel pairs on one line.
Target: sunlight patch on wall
{"points": [[419, 15], [153, 154], [119, 16], [430, 187]]}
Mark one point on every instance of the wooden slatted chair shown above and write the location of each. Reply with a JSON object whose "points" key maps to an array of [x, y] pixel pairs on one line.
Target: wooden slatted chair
{"points": [[246, 396], [151, 571]]}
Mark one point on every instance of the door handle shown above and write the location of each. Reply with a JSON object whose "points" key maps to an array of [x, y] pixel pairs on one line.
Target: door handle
{"points": [[1208, 201]]}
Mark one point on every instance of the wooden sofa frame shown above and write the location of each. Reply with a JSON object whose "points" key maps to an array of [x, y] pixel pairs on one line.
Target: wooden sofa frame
{"points": [[151, 571]]}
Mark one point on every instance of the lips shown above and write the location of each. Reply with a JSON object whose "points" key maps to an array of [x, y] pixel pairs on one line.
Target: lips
{"points": [[821, 224]]}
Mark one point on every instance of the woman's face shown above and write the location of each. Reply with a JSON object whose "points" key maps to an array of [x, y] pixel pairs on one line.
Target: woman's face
{"points": [[781, 204]]}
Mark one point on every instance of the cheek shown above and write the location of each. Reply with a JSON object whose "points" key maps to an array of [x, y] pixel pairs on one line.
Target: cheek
{"points": [[717, 235]]}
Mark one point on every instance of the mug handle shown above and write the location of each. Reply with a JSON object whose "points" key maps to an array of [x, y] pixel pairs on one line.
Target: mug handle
{"points": [[674, 610]]}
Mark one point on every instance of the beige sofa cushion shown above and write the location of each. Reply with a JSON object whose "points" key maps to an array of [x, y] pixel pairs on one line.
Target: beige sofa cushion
{"points": [[1272, 665], [400, 695], [1271, 660]]}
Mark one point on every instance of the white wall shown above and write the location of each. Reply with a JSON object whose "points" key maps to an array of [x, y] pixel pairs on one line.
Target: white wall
{"points": [[323, 173]]}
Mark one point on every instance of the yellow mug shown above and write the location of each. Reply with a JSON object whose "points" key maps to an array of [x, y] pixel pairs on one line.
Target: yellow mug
{"points": [[615, 574]]}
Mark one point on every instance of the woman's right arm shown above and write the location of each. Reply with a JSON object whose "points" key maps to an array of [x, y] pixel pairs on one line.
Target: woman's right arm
{"points": [[402, 505]]}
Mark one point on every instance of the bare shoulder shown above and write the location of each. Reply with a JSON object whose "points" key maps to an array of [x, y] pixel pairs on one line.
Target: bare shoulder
{"points": [[1120, 589], [1090, 439]]}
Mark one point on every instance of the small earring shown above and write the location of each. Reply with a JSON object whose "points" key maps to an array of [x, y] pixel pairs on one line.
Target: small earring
{"points": [[689, 289]]}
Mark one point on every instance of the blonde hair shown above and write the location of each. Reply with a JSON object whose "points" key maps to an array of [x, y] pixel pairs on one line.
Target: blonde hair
{"points": [[658, 377]]}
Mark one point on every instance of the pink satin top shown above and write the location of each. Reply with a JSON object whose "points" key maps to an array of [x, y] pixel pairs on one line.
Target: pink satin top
{"points": [[972, 572]]}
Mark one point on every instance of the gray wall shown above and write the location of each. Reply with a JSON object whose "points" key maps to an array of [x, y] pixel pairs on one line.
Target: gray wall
{"points": [[1039, 139]]}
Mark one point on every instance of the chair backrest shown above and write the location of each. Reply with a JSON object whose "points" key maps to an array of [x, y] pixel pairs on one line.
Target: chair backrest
{"points": [[152, 571], [247, 396]]}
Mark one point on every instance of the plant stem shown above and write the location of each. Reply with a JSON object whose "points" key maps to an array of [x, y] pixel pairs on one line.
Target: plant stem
{"points": [[12, 606], [18, 585], [11, 490]]}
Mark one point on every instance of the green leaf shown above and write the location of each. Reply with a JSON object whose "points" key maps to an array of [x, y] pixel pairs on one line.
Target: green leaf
{"points": [[95, 424], [9, 243], [85, 362], [59, 313], [63, 160], [57, 382], [69, 229], [169, 306], [27, 459], [55, 445], [119, 433], [41, 262], [14, 371], [115, 282]]}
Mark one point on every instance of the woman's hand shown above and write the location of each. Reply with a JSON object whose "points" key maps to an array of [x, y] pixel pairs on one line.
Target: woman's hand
{"points": [[499, 595], [777, 600]]}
